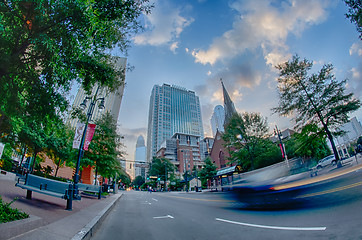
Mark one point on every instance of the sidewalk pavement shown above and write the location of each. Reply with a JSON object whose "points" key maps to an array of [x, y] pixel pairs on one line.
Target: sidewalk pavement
{"points": [[48, 217]]}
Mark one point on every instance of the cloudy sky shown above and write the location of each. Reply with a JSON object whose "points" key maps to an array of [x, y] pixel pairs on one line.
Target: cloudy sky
{"points": [[194, 43]]}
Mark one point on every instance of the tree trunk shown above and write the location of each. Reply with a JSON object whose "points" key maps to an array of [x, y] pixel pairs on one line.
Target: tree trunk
{"points": [[57, 168], [32, 167], [23, 156], [335, 152]]}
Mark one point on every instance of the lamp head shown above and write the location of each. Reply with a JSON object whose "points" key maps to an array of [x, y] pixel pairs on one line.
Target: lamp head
{"points": [[83, 105], [101, 105]]}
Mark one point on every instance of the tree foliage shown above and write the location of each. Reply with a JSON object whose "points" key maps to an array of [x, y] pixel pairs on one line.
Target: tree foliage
{"points": [[246, 139], [161, 167], [46, 45], [207, 172], [359, 140], [138, 181], [104, 148], [124, 178], [315, 99], [355, 14], [310, 143], [59, 146]]}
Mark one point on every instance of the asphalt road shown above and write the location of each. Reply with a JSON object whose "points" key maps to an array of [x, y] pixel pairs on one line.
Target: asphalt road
{"points": [[334, 213]]}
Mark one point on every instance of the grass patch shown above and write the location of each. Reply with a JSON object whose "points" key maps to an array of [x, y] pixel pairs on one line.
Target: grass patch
{"points": [[8, 214]]}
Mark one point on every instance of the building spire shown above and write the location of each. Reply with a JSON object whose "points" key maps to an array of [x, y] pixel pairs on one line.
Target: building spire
{"points": [[228, 105]]}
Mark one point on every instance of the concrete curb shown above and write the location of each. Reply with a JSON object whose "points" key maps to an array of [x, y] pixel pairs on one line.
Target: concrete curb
{"points": [[88, 231], [15, 228]]}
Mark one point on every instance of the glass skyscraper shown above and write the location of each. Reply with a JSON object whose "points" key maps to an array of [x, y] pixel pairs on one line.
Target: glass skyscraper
{"points": [[217, 120], [173, 109]]}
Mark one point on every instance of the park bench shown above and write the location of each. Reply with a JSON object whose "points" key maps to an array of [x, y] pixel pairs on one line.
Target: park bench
{"points": [[90, 188], [47, 186]]}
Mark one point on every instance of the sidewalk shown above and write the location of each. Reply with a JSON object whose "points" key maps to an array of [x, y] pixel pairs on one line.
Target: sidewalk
{"points": [[48, 217]]}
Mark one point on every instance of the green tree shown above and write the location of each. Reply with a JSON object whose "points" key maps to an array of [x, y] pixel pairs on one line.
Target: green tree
{"points": [[46, 45], [310, 143], [59, 146], [161, 167], [138, 181], [34, 136], [207, 172], [267, 153], [355, 14], [359, 140], [244, 137], [124, 178], [103, 153], [314, 99]]}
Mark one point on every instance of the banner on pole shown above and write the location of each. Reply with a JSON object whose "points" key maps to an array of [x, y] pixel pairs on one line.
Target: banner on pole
{"points": [[89, 135], [78, 135]]}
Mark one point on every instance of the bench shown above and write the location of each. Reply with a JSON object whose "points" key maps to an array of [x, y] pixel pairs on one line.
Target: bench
{"points": [[47, 186], [90, 188]]}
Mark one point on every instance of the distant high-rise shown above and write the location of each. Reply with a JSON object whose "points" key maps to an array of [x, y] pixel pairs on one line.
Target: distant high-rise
{"points": [[217, 120], [172, 109], [140, 157], [228, 105], [112, 101]]}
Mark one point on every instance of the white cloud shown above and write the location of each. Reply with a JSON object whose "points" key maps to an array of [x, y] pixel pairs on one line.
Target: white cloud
{"points": [[355, 73], [263, 24], [174, 46], [162, 26], [356, 48]]}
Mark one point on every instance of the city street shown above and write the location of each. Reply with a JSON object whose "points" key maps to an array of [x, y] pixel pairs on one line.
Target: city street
{"points": [[143, 215]]}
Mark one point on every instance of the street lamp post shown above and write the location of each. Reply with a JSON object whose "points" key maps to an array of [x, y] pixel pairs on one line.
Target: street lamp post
{"points": [[83, 105]]}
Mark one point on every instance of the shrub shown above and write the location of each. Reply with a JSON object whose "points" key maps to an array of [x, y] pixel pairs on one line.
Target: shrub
{"points": [[8, 214]]}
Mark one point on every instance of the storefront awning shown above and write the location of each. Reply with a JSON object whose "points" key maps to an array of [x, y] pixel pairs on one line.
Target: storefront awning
{"points": [[229, 170]]}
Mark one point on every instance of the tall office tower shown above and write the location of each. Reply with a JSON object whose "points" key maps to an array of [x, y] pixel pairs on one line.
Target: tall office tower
{"points": [[228, 105], [173, 109], [112, 101], [217, 120], [140, 158]]}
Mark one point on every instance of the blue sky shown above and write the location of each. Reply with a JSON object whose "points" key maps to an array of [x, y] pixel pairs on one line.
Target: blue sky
{"points": [[194, 43]]}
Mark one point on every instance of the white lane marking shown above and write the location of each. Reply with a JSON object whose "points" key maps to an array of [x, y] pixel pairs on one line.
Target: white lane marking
{"points": [[275, 227], [146, 203], [154, 199], [168, 216]]}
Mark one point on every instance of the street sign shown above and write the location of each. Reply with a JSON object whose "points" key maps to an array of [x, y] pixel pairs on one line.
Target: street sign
{"points": [[144, 165]]}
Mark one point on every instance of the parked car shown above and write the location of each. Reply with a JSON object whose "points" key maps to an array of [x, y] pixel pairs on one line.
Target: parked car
{"points": [[330, 160]]}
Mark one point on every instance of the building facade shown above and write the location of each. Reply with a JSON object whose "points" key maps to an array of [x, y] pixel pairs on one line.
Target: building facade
{"points": [[352, 131], [112, 100], [172, 109], [183, 151], [218, 153], [112, 104]]}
